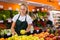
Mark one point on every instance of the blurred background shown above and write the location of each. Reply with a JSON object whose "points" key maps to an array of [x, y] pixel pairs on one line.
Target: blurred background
{"points": [[45, 13]]}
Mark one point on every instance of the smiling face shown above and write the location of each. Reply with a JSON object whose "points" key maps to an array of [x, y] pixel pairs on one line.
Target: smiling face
{"points": [[23, 9]]}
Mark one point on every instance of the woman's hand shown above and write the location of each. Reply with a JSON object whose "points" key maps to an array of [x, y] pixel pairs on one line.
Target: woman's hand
{"points": [[12, 28], [27, 30], [13, 32]]}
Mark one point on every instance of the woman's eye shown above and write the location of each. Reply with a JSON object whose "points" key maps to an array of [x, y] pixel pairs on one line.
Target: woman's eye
{"points": [[22, 9]]}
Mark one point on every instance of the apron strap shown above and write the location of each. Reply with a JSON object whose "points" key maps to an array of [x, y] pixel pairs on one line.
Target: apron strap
{"points": [[25, 17], [18, 17]]}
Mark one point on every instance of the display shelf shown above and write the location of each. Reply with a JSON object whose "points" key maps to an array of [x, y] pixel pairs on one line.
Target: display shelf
{"points": [[55, 16]]}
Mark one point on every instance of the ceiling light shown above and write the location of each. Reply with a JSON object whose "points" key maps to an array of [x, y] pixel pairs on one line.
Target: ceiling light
{"points": [[10, 8], [1, 6], [33, 10], [45, 9], [21, 0], [42, 8], [58, 3], [19, 4], [17, 9], [37, 9]]}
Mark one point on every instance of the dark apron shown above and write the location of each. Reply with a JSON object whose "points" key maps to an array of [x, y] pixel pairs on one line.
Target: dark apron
{"points": [[20, 25]]}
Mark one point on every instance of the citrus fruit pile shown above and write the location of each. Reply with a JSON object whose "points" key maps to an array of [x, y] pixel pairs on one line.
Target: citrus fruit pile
{"points": [[23, 37]]}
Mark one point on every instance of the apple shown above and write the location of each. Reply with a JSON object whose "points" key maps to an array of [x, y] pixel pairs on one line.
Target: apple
{"points": [[47, 38], [55, 38], [58, 38], [36, 28], [51, 35]]}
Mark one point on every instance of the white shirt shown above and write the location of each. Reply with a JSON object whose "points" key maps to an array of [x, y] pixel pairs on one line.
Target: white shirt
{"points": [[22, 18]]}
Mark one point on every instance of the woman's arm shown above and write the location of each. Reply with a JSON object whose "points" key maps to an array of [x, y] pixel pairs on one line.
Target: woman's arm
{"points": [[12, 28], [29, 21], [28, 28]]}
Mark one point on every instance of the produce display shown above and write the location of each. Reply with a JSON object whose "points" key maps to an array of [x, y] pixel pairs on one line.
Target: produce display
{"points": [[23, 37], [5, 31], [49, 34], [39, 28], [46, 36], [40, 36], [5, 14]]}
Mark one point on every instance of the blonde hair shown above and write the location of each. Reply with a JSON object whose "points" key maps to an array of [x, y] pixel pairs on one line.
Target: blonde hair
{"points": [[24, 4]]}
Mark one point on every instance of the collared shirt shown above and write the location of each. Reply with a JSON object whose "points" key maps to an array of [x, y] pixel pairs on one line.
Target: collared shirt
{"points": [[22, 18]]}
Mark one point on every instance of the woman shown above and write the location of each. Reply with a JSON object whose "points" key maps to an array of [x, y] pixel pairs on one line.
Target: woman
{"points": [[21, 21]]}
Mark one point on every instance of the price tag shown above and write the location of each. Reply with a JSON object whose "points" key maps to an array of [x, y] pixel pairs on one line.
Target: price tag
{"points": [[9, 20], [1, 21], [31, 31], [37, 30]]}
